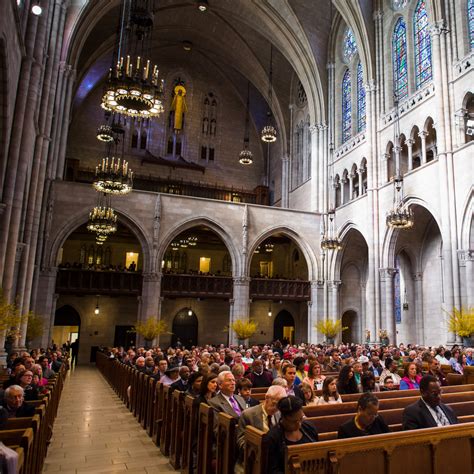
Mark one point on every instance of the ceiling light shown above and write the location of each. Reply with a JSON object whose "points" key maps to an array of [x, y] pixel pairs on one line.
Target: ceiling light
{"points": [[202, 5], [187, 45], [36, 9]]}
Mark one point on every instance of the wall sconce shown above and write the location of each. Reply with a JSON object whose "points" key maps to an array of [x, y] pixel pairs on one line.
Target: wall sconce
{"points": [[97, 310]]}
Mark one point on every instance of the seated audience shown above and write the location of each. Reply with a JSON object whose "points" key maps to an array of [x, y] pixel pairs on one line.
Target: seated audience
{"points": [[314, 378], [14, 403], [366, 421], [299, 363], [335, 363], [368, 383], [262, 416], [330, 394], [387, 384], [56, 363], [428, 411], [357, 370], [291, 430], [346, 382], [225, 401], [171, 375], [258, 375], [182, 383], [434, 369], [194, 384], [309, 398], [289, 374], [244, 387], [207, 390], [47, 371], [391, 368], [25, 380], [411, 379]]}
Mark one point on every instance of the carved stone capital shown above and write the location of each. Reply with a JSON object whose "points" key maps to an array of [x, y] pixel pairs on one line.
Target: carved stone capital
{"points": [[418, 276], [152, 277], [410, 142], [387, 273], [423, 134], [313, 129], [378, 15], [333, 285], [241, 281]]}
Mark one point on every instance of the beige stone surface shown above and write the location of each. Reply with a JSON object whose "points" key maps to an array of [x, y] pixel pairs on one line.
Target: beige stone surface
{"points": [[94, 432]]}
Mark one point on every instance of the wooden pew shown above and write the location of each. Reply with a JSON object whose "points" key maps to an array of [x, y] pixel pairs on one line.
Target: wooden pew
{"points": [[22, 438], [205, 439], [176, 428], [433, 450], [226, 443], [166, 421], [151, 381], [191, 411], [157, 414]]}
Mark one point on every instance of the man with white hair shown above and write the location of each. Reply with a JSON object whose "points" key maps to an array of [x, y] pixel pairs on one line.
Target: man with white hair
{"points": [[225, 401], [15, 403], [263, 416]]}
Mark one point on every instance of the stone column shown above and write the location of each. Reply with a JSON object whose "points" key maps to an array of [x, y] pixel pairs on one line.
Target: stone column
{"points": [[285, 181], [351, 186], [333, 300], [343, 192], [363, 310], [466, 269], [419, 320], [383, 176], [313, 312], [423, 136], [410, 142], [150, 304], [241, 307], [386, 283], [460, 126], [46, 302], [315, 178]]}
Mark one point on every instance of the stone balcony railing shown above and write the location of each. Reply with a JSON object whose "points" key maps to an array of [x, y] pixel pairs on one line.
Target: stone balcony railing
{"points": [[288, 290], [196, 286], [77, 281]]}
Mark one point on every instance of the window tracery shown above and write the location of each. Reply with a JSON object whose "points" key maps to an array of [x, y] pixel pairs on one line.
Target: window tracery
{"points": [[400, 66], [361, 115], [470, 20], [423, 69], [346, 106]]}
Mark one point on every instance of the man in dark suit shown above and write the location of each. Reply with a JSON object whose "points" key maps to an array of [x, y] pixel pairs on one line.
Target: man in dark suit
{"points": [[263, 416], [182, 383], [428, 412], [225, 401], [259, 376]]}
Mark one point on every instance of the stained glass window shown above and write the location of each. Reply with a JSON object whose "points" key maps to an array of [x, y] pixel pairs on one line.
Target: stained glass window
{"points": [[400, 68], [470, 19], [346, 107], [423, 69], [349, 45], [360, 99]]}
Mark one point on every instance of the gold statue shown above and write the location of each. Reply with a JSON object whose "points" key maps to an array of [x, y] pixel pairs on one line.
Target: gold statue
{"points": [[179, 107]]}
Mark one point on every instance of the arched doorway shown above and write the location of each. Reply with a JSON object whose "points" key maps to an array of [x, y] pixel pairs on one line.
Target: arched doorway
{"points": [[185, 328], [348, 320], [284, 327], [67, 325]]}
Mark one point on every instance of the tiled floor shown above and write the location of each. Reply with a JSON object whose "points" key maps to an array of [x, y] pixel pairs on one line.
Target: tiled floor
{"points": [[94, 432]]}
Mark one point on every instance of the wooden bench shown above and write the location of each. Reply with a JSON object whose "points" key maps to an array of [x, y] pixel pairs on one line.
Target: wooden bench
{"points": [[205, 439], [22, 438], [190, 424], [176, 428], [433, 450]]}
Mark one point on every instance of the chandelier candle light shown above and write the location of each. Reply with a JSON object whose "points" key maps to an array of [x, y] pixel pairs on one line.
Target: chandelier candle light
{"points": [[330, 241], [113, 177], [245, 156], [269, 133]]}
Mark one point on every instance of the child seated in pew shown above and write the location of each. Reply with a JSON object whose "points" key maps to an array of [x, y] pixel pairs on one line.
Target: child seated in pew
{"points": [[291, 430], [366, 421], [309, 396], [244, 386], [330, 394]]}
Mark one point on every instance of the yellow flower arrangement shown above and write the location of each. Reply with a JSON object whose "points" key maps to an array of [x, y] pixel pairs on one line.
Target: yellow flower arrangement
{"points": [[244, 329], [461, 321], [330, 328], [151, 328]]}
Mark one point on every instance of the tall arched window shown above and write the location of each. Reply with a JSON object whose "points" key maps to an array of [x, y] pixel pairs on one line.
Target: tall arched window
{"points": [[361, 118], [346, 107], [470, 19], [400, 67], [349, 45], [423, 70]]}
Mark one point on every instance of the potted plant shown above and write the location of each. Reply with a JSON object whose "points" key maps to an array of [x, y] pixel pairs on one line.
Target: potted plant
{"points": [[461, 322], [35, 327], [244, 329], [10, 319], [151, 329], [330, 328]]}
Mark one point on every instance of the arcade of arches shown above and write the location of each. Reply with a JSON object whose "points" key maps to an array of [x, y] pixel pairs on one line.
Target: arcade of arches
{"points": [[203, 240]]}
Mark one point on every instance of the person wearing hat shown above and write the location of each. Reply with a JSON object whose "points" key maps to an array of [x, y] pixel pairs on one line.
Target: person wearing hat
{"points": [[171, 375]]}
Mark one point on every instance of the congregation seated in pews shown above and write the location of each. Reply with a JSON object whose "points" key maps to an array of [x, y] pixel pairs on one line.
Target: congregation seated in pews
{"points": [[29, 398], [229, 409]]}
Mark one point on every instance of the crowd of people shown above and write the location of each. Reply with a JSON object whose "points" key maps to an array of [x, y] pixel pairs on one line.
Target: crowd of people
{"points": [[28, 379], [304, 375]]}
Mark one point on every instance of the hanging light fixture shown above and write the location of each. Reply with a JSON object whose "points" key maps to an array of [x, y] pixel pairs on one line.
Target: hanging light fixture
{"points": [[36, 8], [400, 216], [330, 240], [270, 311], [257, 250], [104, 133], [183, 243], [113, 176], [97, 310], [269, 247], [192, 240], [245, 156], [202, 5], [269, 133], [174, 246], [102, 218], [133, 87]]}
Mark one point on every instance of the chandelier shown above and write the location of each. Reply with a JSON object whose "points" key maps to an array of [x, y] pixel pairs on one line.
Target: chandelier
{"points": [[330, 240], [133, 86], [104, 133], [245, 156], [100, 239], [113, 176], [175, 246], [102, 218], [192, 241], [183, 243], [269, 133], [400, 216], [269, 247]]}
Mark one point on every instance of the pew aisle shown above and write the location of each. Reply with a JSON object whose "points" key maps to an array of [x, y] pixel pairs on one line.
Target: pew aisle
{"points": [[94, 432]]}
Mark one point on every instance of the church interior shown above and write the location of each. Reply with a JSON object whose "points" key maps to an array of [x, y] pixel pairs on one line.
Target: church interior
{"points": [[288, 163]]}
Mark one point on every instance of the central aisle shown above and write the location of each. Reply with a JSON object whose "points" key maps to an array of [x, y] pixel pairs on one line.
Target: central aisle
{"points": [[94, 432]]}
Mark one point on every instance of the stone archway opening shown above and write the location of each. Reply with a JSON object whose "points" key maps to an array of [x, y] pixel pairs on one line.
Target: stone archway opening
{"points": [[284, 327], [185, 329], [349, 320]]}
